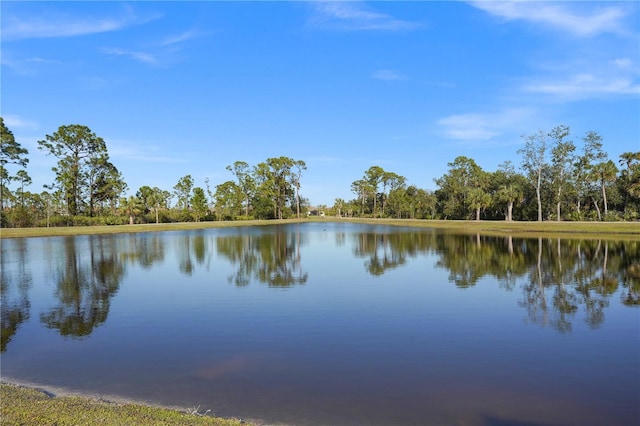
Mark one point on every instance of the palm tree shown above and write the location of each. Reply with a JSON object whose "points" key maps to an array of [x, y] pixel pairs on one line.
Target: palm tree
{"points": [[606, 172], [509, 194], [132, 206]]}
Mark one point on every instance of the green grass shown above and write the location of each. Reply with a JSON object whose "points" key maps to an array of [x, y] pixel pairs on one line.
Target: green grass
{"points": [[123, 229], [26, 406], [618, 230]]}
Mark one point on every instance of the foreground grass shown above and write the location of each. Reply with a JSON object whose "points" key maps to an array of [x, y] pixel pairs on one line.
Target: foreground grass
{"points": [[25, 406], [618, 230]]}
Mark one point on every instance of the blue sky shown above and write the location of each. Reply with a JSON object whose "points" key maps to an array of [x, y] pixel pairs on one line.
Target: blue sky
{"points": [[180, 88]]}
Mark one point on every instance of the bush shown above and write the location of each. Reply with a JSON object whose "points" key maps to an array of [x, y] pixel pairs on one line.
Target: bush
{"points": [[613, 216], [59, 221], [631, 215]]}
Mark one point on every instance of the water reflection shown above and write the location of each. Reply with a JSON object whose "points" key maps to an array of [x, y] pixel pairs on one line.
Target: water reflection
{"points": [[85, 283], [560, 281], [272, 259], [578, 273], [558, 277], [145, 250], [15, 282], [385, 250]]}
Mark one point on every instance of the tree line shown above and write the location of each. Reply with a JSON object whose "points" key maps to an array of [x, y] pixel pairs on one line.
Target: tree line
{"points": [[556, 180]]}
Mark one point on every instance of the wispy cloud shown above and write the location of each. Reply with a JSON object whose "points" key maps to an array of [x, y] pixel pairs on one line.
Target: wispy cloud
{"points": [[617, 77], [387, 75], [59, 25], [25, 66], [137, 151], [15, 121], [623, 63], [581, 86], [567, 16], [144, 57], [179, 38], [480, 127], [156, 52], [355, 16]]}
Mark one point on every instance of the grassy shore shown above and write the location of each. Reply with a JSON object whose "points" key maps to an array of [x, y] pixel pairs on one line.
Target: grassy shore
{"points": [[26, 406], [617, 230]]}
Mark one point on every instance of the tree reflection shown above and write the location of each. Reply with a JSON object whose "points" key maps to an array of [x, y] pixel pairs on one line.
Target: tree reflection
{"points": [[631, 280], [85, 284], [560, 279], [144, 249], [470, 258], [192, 250], [272, 259], [386, 251], [14, 290]]}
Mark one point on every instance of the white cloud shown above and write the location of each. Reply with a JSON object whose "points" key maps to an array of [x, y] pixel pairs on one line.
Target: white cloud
{"points": [[388, 75], [58, 25], [564, 16], [355, 16], [473, 127]]}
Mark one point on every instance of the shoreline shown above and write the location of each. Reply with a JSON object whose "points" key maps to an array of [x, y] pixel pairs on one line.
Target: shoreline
{"points": [[547, 229], [59, 392], [53, 392]]}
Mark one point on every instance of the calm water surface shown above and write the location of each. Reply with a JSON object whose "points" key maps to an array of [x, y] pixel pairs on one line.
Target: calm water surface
{"points": [[325, 323]]}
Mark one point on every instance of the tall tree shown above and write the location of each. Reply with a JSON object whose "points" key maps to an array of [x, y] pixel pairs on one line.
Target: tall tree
{"points": [[507, 188], [105, 183], [274, 178], [397, 195], [199, 203], [11, 152], [246, 182], [182, 190], [453, 195], [145, 195], [338, 206], [25, 180], [77, 149], [606, 172], [153, 199], [228, 200], [361, 188], [534, 162], [629, 182], [296, 175], [374, 176], [583, 167], [561, 162]]}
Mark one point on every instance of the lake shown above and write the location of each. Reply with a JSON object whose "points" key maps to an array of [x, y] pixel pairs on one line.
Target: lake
{"points": [[332, 324]]}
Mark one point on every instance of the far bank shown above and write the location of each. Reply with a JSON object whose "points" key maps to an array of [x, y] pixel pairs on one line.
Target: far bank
{"points": [[589, 230]]}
